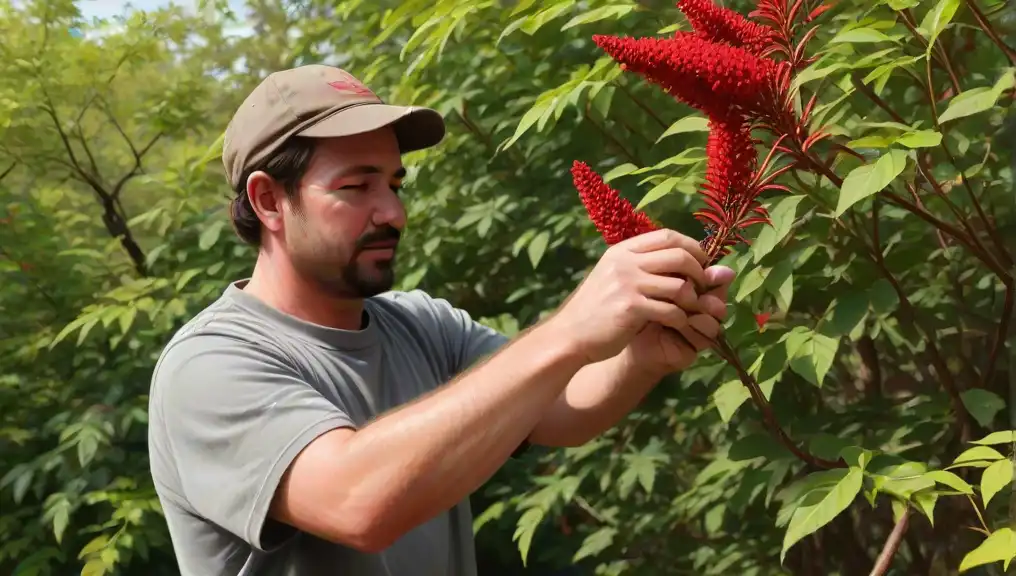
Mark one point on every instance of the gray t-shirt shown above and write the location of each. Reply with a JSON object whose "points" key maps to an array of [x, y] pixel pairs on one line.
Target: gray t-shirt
{"points": [[242, 388]]}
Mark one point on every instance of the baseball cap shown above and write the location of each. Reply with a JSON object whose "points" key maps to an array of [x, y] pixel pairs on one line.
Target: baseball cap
{"points": [[317, 101]]}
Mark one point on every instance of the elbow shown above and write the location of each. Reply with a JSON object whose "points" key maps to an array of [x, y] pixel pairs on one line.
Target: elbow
{"points": [[370, 532]]}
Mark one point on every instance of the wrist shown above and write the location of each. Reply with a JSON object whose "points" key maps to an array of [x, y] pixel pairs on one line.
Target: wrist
{"points": [[639, 369], [559, 341]]}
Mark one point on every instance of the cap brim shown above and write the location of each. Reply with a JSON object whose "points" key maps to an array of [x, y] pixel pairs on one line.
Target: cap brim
{"points": [[416, 128]]}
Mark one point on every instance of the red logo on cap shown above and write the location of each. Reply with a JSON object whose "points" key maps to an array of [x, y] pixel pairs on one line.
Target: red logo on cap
{"points": [[352, 85]]}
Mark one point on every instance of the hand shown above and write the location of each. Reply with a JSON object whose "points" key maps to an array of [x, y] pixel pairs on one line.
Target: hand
{"points": [[648, 279], [659, 350]]}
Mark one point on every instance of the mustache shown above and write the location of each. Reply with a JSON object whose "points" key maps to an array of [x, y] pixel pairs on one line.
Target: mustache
{"points": [[386, 234]]}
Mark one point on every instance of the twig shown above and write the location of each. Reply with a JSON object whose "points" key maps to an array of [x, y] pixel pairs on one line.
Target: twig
{"points": [[985, 25], [641, 104], [768, 416], [624, 151], [892, 544], [8, 170]]}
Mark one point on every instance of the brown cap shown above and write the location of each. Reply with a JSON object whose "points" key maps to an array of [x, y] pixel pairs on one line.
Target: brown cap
{"points": [[317, 102]]}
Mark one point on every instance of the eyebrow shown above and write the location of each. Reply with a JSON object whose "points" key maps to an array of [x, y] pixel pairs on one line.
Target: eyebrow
{"points": [[367, 169]]}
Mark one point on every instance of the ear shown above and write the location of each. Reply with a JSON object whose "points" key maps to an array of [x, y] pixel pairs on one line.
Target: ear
{"points": [[266, 196]]}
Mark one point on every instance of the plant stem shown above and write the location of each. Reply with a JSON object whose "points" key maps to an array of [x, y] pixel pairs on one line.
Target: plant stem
{"points": [[726, 351], [768, 416], [1000, 335], [937, 50], [641, 104], [617, 144], [908, 313], [985, 25], [892, 544]]}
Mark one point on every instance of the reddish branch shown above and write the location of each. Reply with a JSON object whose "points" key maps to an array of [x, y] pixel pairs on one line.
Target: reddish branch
{"points": [[892, 544], [985, 25]]}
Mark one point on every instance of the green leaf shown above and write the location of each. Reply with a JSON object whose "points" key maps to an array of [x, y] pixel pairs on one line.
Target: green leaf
{"points": [[936, 20], [728, 398], [951, 480], [658, 191], [529, 119], [537, 247], [978, 457], [995, 477], [1000, 546], [526, 528], [615, 11], [686, 124], [977, 100], [926, 504], [618, 171], [752, 281], [94, 567], [95, 545], [982, 405], [820, 507], [920, 139], [870, 179], [210, 235], [783, 214], [1000, 437], [61, 517], [815, 357], [814, 72], [595, 543], [860, 35], [847, 312]]}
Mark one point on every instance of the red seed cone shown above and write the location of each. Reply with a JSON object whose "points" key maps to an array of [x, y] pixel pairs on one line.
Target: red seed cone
{"points": [[614, 216], [730, 191], [726, 26], [709, 76]]}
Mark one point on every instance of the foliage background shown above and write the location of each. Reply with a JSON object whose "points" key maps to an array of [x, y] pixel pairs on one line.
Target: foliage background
{"points": [[114, 233]]}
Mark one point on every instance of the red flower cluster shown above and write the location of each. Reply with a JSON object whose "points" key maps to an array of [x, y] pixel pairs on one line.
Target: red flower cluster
{"points": [[724, 25], [613, 216], [721, 68], [701, 73]]}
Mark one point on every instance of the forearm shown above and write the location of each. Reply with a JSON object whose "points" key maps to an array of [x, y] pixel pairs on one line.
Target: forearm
{"points": [[422, 459], [595, 399]]}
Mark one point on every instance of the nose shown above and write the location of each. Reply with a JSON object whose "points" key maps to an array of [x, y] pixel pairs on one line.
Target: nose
{"points": [[389, 210]]}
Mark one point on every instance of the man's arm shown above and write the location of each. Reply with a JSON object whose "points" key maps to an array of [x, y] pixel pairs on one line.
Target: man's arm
{"points": [[595, 399], [367, 488]]}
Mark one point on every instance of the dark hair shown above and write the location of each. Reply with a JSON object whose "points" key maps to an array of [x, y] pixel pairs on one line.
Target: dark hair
{"points": [[287, 166]]}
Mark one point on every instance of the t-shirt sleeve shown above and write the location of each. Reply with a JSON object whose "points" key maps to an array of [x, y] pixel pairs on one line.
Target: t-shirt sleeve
{"points": [[232, 416], [468, 341]]}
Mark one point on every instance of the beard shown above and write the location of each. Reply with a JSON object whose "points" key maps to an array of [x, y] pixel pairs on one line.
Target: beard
{"points": [[346, 276]]}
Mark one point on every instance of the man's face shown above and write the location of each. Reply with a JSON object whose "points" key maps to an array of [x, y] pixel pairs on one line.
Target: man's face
{"points": [[343, 229]]}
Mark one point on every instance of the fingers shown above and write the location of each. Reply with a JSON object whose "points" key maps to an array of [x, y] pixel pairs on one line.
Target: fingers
{"points": [[670, 289], [663, 239], [718, 278], [673, 261]]}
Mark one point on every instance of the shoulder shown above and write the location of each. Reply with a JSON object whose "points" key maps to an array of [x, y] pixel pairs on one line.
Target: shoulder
{"points": [[222, 337], [416, 307], [410, 302]]}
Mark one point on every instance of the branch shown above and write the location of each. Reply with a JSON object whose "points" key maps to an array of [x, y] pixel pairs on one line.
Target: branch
{"points": [[937, 51], [892, 544], [7, 171], [985, 25], [1000, 335], [768, 416], [641, 104], [624, 151]]}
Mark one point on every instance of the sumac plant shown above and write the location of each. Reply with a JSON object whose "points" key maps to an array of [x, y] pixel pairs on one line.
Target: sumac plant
{"points": [[860, 155]]}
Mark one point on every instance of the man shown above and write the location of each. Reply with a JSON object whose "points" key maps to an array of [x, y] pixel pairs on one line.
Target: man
{"points": [[312, 422]]}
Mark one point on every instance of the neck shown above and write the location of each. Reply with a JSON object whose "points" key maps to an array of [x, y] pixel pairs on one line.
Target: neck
{"points": [[279, 285]]}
